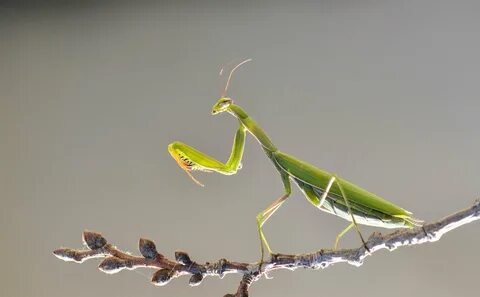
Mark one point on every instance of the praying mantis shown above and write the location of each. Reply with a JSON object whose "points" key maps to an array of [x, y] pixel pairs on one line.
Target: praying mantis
{"points": [[326, 191]]}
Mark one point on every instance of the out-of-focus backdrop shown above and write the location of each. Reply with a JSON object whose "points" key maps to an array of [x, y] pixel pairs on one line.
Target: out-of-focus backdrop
{"points": [[384, 93]]}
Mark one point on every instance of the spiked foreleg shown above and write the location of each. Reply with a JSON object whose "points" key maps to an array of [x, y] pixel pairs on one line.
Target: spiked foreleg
{"points": [[189, 158]]}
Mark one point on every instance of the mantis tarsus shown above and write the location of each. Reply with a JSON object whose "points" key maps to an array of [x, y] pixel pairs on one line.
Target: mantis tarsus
{"points": [[324, 190]]}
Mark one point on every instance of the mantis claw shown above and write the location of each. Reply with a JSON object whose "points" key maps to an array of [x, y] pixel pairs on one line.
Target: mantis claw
{"points": [[194, 179], [184, 162]]}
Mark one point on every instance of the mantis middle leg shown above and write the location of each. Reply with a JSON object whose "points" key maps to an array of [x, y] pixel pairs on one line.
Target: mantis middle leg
{"points": [[263, 216]]}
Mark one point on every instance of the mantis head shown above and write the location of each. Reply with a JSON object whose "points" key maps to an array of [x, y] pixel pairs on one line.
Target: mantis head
{"points": [[222, 105], [224, 102]]}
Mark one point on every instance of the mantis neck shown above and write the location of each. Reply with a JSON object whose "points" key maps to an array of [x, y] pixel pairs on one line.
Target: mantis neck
{"points": [[252, 127]]}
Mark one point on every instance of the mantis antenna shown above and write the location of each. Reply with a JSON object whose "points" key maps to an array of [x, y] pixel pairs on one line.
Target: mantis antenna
{"points": [[230, 75]]}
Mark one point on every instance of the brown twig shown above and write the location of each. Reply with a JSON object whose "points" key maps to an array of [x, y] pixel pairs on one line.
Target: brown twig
{"points": [[117, 260]]}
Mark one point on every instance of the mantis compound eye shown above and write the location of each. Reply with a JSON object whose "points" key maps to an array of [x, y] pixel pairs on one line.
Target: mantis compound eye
{"points": [[224, 103]]}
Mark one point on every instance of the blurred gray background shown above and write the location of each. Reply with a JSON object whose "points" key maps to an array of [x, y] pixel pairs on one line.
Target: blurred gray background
{"points": [[384, 93]]}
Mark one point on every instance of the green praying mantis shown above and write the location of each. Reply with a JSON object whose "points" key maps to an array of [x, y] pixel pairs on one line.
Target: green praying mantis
{"points": [[326, 191]]}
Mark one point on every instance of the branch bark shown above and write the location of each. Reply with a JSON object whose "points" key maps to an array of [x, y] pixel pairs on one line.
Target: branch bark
{"points": [[167, 269]]}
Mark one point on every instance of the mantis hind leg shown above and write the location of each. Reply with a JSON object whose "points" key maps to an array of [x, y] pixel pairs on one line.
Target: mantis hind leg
{"points": [[319, 202], [354, 222], [341, 234]]}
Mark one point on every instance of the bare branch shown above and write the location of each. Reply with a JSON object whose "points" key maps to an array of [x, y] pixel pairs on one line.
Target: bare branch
{"points": [[166, 269]]}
